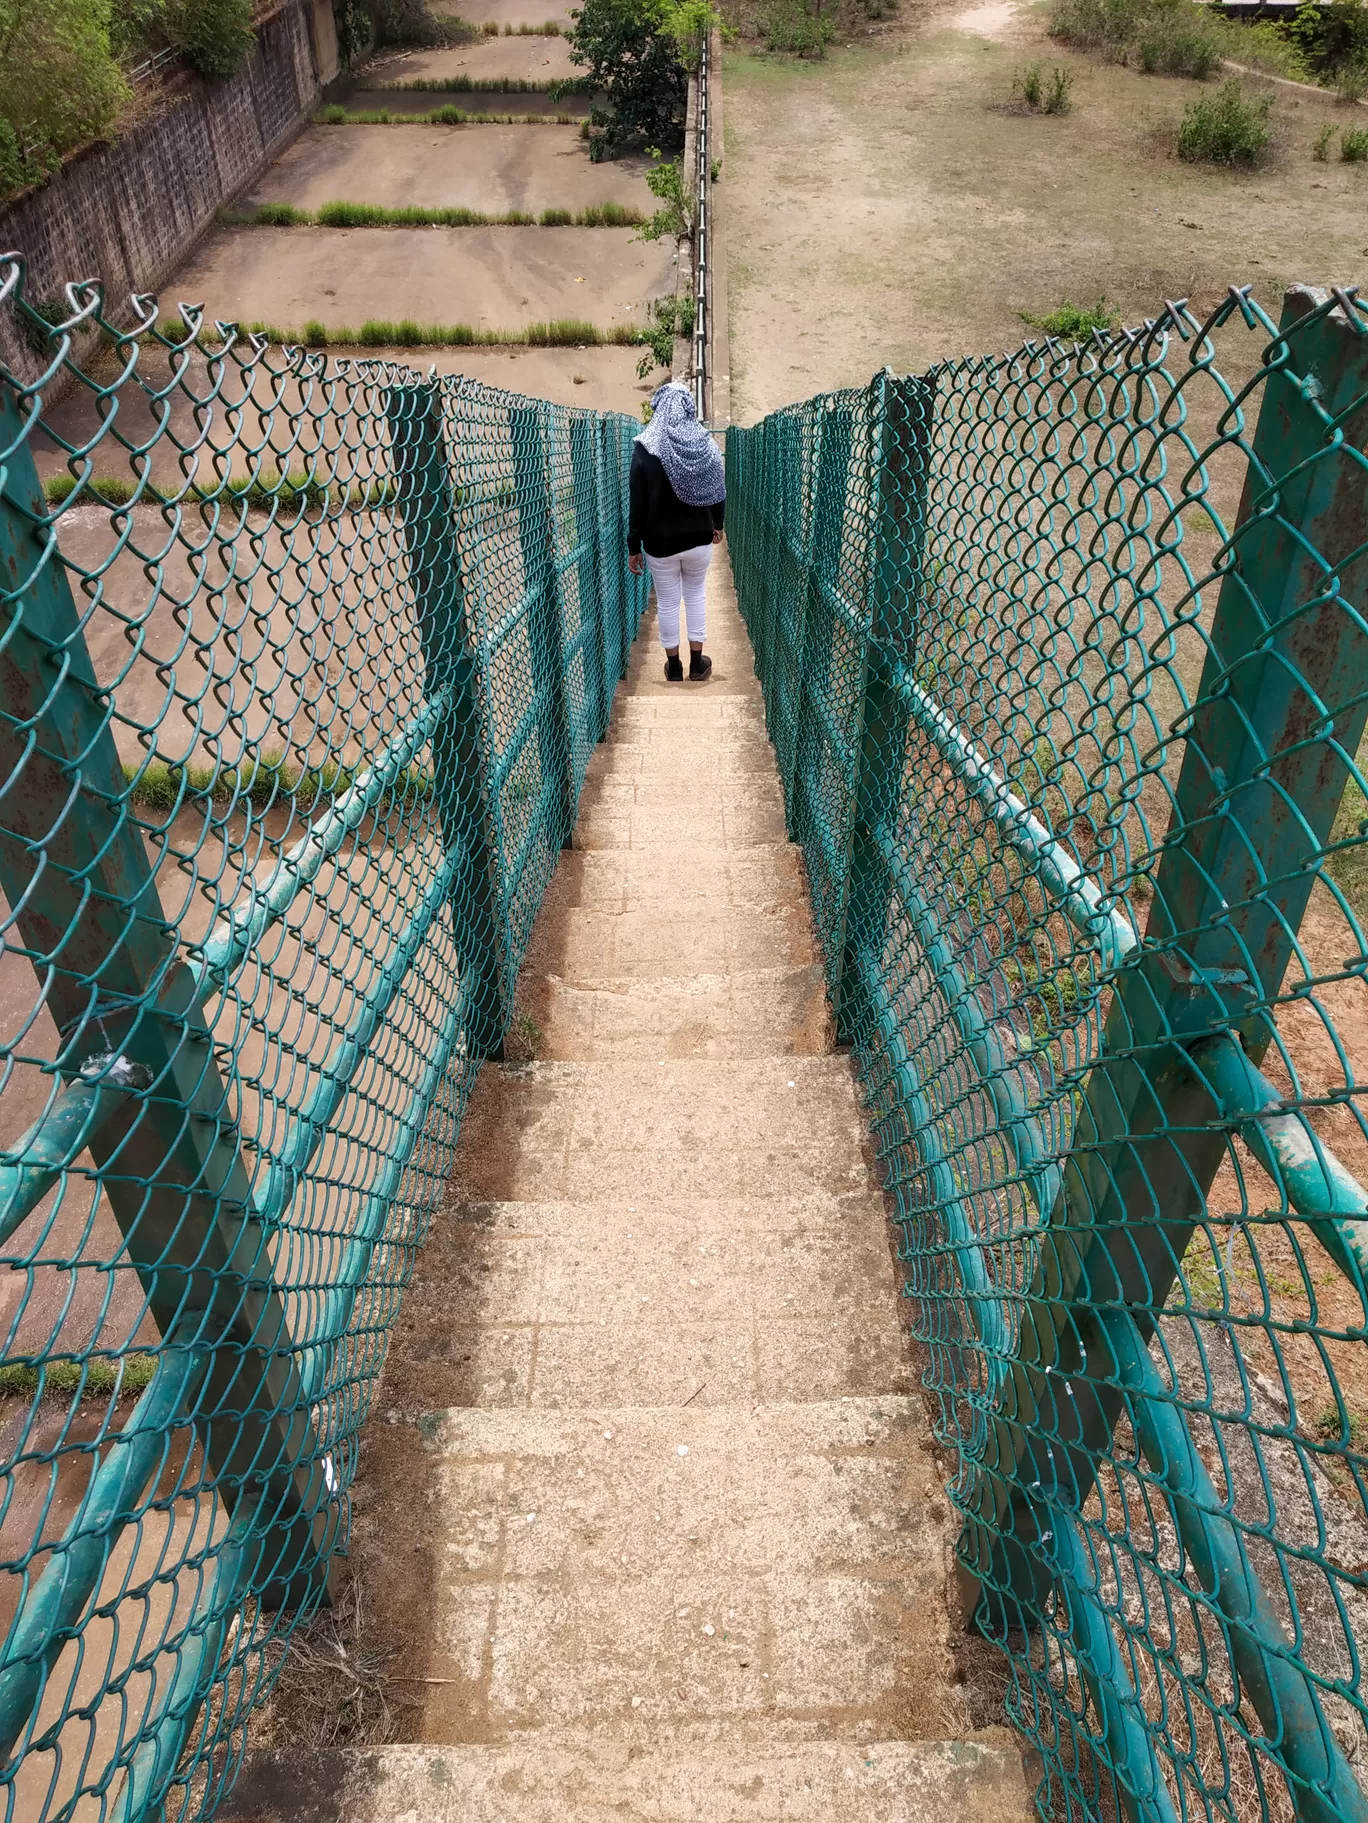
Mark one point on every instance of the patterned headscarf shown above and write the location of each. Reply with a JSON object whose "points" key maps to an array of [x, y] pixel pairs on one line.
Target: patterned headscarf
{"points": [[691, 459]]}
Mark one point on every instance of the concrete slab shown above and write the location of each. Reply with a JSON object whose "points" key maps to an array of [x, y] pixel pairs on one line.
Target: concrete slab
{"points": [[697, 1302], [717, 1561], [494, 278], [522, 57], [477, 167], [974, 1781], [736, 1126], [493, 106], [778, 1012]]}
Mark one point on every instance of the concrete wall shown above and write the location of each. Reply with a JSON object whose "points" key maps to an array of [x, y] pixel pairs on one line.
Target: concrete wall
{"points": [[128, 212]]}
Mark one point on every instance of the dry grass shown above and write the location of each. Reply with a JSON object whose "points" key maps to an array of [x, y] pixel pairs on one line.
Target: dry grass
{"points": [[884, 183]]}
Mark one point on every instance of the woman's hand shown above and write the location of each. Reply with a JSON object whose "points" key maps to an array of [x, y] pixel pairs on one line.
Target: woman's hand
{"points": [[636, 563], [717, 537]]}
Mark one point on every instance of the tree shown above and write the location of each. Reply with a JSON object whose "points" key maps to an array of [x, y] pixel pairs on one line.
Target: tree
{"points": [[633, 58], [216, 35], [59, 84]]}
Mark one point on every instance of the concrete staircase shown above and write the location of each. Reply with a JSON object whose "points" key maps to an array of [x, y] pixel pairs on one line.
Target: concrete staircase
{"points": [[654, 1521]]}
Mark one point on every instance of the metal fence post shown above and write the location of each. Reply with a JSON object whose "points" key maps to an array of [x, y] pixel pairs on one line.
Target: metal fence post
{"points": [[584, 474], [904, 413], [814, 659], [428, 513], [1279, 717], [534, 495], [74, 868]]}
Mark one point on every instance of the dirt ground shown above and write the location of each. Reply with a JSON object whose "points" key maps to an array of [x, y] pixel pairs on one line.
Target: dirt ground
{"points": [[506, 12], [883, 207], [485, 167]]}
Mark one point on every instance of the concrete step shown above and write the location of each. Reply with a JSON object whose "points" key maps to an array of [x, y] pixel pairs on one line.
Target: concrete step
{"points": [[775, 1012], [724, 824], [641, 1779], [682, 1302], [591, 1132], [597, 1567], [768, 875], [677, 787], [697, 937]]}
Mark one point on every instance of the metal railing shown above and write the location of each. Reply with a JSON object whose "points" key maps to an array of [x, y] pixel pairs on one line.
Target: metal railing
{"points": [[303, 663], [1065, 661], [701, 328]]}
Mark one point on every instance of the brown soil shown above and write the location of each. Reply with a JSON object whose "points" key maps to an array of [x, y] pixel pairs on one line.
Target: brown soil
{"points": [[883, 208]]}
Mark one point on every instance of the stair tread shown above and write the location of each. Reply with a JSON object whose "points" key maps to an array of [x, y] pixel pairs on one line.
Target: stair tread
{"points": [[638, 1777]]}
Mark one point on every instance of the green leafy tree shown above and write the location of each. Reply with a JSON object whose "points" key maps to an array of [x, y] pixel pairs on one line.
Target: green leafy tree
{"points": [[216, 35], [633, 59], [59, 83]]}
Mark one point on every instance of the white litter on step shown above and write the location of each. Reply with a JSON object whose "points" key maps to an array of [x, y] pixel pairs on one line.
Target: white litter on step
{"points": [[683, 1449], [710, 1630], [607, 1436]]}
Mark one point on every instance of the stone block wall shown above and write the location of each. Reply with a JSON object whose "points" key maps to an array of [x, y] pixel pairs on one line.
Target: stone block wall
{"points": [[129, 211]]}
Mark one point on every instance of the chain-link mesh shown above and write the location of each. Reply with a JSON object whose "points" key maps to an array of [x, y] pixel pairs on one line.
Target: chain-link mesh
{"points": [[301, 664], [1065, 662]]}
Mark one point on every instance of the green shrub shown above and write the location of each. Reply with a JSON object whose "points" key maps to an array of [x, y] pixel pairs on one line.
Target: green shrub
{"points": [[1229, 127], [633, 61], [1044, 91], [556, 218], [1173, 37], [215, 35], [59, 83], [794, 25], [674, 218], [1075, 322], [1320, 151], [1351, 82], [1354, 146]]}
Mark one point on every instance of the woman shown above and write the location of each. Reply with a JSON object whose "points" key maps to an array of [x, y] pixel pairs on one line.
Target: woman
{"points": [[677, 492]]}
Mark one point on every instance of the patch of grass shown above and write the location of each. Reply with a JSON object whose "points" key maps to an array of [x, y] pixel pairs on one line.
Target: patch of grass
{"points": [[1075, 322], [489, 85], [1351, 82], [1044, 91], [379, 332], [1350, 1430], [1229, 127], [266, 779], [344, 214], [1320, 151], [100, 490], [92, 1378], [1354, 146], [524, 1040], [337, 116], [280, 215], [549, 28]]}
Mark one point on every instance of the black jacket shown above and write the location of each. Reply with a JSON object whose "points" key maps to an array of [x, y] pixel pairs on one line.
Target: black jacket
{"points": [[657, 518]]}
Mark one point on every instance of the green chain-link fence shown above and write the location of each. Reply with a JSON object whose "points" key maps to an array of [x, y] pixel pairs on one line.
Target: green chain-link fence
{"points": [[301, 664], [1066, 665]]}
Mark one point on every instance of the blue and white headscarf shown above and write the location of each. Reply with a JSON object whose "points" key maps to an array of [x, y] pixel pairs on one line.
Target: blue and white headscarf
{"points": [[690, 457]]}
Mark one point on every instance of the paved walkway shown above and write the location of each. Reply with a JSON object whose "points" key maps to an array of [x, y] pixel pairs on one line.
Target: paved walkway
{"points": [[670, 1542]]}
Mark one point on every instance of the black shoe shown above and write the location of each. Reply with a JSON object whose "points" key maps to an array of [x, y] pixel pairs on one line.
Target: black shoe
{"points": [[700, 666], [674, 670]]}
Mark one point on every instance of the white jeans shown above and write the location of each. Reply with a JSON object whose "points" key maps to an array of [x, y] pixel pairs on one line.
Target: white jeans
{"points": [[681, 574]]}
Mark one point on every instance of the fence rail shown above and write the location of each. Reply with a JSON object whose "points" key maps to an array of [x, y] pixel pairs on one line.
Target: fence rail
{"points": [[1066, 665], [303, 661]]}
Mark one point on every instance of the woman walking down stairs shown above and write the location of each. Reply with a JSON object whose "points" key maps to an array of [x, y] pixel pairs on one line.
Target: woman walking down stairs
{"points": [[648, 1511]]}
